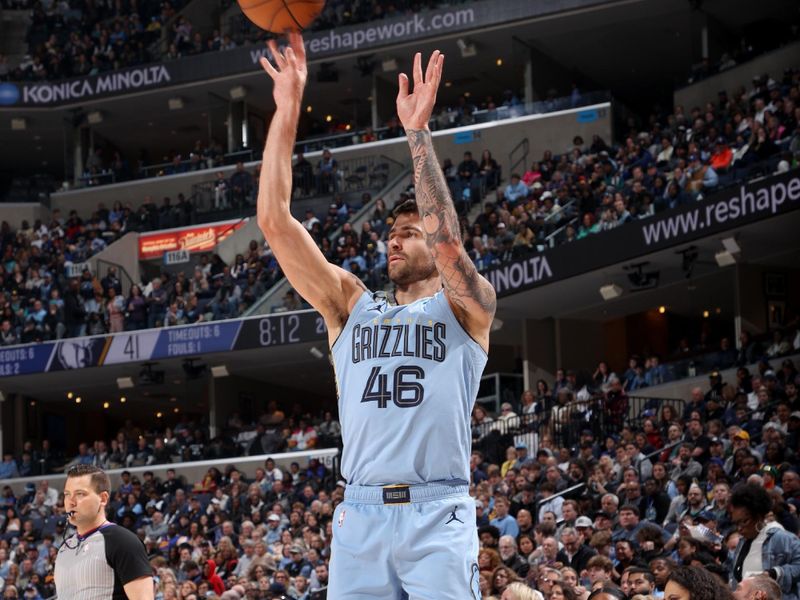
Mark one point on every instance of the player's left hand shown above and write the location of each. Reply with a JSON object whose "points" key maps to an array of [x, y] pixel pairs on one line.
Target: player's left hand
{"points": [[290, 71], [414, 109]]}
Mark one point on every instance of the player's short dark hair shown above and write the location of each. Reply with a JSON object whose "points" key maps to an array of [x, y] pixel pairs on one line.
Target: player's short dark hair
{"points": [[97, 477], [405, 207]]}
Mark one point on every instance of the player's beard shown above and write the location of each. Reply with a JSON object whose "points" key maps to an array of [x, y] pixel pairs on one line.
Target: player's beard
{"points": [[412, 269]]}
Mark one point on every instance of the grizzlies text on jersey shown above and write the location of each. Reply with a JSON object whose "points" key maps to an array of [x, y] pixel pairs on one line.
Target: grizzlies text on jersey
{"points": [[407, 379]]}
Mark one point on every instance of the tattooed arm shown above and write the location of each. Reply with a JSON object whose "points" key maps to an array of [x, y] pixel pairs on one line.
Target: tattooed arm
{"points": [[472, 298]]}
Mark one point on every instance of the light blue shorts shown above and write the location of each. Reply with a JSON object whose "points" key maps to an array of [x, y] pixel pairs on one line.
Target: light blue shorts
{"points": [[423, 547]]}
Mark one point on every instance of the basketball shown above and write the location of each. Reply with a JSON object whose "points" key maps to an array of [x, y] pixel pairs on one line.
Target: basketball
{"points": [[280, 16]]}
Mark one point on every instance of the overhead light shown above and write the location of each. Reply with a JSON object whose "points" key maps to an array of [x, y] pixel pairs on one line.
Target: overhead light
{"points": [[94, 117], [466, 48], [706, 314], [159, 415], [315, 352], [106, 405], [662, 310], [219, 371], [611, 291], [731, 245], [238, 92], [725, 258], [19, 124], [124, 383], [78, 400], [728, 256], [499, 62], [309, 108], [389, 64], [123, 399], [175, 103], [69, 395]]}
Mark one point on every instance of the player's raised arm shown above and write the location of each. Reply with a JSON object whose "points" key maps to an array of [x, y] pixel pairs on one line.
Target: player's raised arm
{"points": [[328, 288], [472, 297]]}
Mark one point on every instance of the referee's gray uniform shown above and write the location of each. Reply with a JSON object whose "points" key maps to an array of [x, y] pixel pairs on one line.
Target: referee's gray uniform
{"points": [[97, 565]]}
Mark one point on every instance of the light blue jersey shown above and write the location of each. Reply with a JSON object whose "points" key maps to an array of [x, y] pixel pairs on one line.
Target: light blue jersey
{"points": [[407, 379]]}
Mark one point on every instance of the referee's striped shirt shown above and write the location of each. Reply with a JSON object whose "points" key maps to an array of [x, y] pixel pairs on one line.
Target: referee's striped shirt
{"points": [[97, 565]]}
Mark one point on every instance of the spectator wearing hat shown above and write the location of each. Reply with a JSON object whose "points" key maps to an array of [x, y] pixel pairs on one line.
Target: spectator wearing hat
{"points": [[298, 565]]}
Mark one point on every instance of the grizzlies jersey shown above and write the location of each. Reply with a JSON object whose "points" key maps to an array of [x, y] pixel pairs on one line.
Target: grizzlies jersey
{"points": [[407, 378]]}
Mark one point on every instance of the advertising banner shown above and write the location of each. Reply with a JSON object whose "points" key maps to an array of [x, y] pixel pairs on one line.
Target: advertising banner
{"points": [[320, 45], [725, 210], [198, 238]]}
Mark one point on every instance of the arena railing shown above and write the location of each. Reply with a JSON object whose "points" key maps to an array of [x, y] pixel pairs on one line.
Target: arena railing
{"points": [[450, 118], [642, 407], [194, 471]]}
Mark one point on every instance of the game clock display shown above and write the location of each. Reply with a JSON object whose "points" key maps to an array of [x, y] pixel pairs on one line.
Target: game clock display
{"points": [[281, 329]]}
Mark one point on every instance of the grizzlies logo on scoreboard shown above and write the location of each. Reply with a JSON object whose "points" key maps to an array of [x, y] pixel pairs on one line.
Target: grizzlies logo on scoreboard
{"points": [[77, 354]]}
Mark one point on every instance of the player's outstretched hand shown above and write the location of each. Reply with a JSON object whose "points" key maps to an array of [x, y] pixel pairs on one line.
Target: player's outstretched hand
{"points": [[290, 71], [414, 109]]}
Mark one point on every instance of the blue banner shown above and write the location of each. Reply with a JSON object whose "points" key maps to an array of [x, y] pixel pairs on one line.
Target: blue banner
{"points": [[25, 359], [196, 339]]}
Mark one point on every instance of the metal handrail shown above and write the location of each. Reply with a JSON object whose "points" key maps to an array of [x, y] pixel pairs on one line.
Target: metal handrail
{"points": [[524, 147], [127, 280], [569, 490]]}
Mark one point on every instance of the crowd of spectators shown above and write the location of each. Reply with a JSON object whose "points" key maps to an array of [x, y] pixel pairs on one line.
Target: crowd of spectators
{"points": [[78, 37], [187, 440], [593, 187], [703, 498]]}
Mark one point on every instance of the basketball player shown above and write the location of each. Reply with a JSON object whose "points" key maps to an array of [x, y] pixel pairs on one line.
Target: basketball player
{"points": [[407, 366]]}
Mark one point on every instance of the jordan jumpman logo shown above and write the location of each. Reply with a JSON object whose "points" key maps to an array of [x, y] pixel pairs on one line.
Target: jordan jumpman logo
{"points": [[453, 517]]}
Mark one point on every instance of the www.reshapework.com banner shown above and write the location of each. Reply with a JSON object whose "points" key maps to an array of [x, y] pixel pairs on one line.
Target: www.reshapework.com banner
{"points": [[319, 45], [725, 210]]}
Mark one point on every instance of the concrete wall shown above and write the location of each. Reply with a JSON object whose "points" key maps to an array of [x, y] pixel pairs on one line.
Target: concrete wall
{"points": [[552, 131], [238, 242], [772, 63], [125, 253], [17, 212]]}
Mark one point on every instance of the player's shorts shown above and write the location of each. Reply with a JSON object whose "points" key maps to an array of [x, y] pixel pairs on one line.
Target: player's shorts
{"points": [[391, 543]]}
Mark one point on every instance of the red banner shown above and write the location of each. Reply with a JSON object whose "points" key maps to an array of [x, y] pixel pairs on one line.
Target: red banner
{"points": [[198, 238]]}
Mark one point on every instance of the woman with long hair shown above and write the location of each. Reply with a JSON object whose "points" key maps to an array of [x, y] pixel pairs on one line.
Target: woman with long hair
{"points": [[502, 576]]}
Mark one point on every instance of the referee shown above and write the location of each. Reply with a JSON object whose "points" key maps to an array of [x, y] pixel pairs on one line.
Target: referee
{"points": [[101, 560]]}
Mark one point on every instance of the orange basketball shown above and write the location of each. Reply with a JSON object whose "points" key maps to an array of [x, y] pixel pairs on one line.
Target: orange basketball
{"points": [[280, 16]]}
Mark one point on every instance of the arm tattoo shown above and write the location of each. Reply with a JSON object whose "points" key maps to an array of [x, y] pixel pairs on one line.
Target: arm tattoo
{"points": [[442, 229]]}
